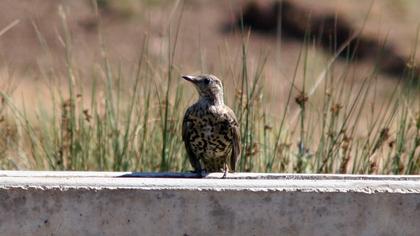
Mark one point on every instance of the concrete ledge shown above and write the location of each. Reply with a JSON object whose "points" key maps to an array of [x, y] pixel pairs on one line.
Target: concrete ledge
{"points": [[125, 203]]}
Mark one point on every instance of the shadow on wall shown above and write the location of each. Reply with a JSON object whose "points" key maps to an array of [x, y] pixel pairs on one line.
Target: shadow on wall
{"points": [[331, 32]]}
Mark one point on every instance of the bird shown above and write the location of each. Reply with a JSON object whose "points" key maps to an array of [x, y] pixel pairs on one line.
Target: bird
{"points": [[210, 129]]}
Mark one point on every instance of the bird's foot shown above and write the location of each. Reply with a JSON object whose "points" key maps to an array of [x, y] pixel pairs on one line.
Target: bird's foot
{"points": [[224, 174], [200, 173]]}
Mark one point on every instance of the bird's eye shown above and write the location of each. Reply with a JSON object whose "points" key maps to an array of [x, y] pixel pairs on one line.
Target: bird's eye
{"points": [[206, 81]]}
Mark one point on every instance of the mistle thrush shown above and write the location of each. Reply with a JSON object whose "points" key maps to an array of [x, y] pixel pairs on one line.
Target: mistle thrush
{"points": [[210, 129]]}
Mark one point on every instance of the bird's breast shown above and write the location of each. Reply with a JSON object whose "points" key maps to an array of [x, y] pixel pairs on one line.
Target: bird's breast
{"points": [[210, 136]]}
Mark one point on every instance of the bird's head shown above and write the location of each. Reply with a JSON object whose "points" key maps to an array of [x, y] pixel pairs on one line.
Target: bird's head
{"points": [[209, 87]]}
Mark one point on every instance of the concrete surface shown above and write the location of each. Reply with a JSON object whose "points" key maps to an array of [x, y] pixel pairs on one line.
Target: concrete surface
{"points": [[124, 203]]}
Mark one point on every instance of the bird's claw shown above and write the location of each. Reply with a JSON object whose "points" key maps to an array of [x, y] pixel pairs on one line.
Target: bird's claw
{"points": [[224, 174]]}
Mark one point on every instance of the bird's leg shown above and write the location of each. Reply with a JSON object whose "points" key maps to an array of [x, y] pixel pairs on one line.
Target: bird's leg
{"points": [[225, 170], [198, 168], [202, 173]]}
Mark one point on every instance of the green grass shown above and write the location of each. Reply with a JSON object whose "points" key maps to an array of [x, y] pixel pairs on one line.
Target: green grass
{"points": [[130, 120]]}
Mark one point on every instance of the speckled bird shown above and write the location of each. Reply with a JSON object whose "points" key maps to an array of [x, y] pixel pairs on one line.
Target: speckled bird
{"points": [[210, 129]]}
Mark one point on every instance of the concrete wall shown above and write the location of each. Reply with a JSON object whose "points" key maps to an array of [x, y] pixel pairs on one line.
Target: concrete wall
{"points": [[95, 203]]}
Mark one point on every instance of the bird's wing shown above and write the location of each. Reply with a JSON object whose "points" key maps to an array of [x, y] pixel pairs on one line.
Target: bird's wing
{"points": [[236, 138], [186, 132]]}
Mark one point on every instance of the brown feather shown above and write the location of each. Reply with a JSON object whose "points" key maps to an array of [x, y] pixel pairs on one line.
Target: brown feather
{"points": [[195, 162], [236, 139]]}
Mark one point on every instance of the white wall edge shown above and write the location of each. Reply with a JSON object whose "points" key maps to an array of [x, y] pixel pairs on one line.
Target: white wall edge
{"points": [[213, 182]]}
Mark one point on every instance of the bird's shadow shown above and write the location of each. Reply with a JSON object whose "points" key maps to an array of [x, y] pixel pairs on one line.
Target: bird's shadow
{"points": [[162, 175]]}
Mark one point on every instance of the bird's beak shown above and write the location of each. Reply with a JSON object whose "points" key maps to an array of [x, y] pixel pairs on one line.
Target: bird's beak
{"points": [[190, 78]]}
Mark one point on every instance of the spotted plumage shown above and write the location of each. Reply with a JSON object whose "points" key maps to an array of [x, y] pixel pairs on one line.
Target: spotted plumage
{"points": [[210, 129]]}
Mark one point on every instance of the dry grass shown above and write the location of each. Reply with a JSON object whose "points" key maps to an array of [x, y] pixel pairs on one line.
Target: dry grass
{"points": [[103, 112]]}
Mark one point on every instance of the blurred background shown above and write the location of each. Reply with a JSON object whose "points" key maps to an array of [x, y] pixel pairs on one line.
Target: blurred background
{"points": [[283, 57], [209, 32]]}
